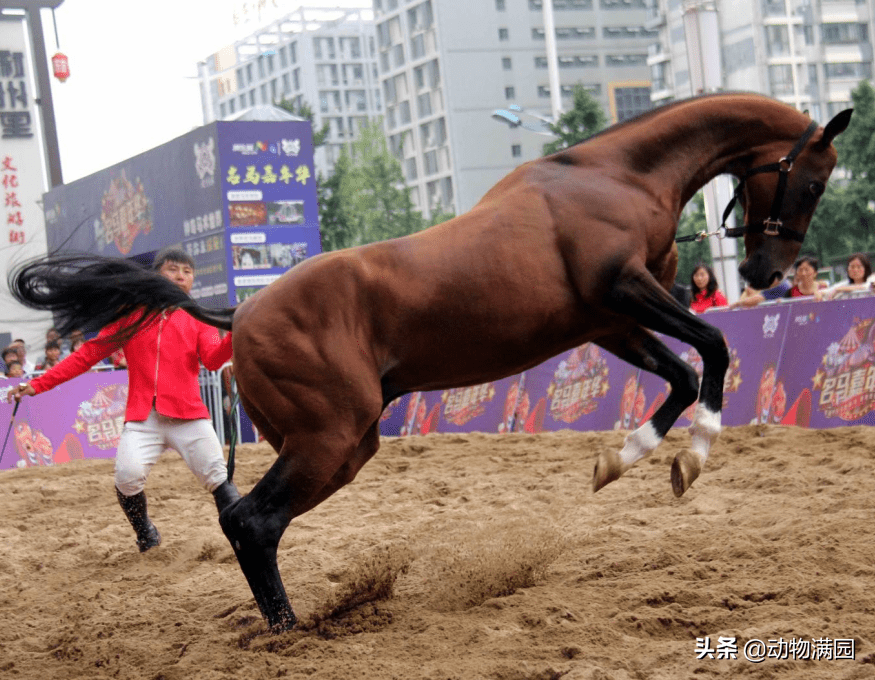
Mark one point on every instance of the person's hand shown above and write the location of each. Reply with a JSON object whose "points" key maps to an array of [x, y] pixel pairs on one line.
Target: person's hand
{"points": [[20, 390]]}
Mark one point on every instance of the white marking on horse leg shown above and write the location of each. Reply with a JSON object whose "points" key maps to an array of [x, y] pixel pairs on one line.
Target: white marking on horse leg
{"points": [[688, 464], [611, 465]]}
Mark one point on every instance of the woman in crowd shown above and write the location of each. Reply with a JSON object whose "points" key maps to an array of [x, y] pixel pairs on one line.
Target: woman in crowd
{"points": [[805, 279], [859, 271], [703, 285]]}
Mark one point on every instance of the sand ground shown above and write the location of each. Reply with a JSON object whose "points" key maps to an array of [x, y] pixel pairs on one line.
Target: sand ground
{"points": [[505, 566]]}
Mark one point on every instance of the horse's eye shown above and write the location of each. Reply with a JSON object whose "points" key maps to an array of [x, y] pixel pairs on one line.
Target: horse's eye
{"points": [[816, 188]]}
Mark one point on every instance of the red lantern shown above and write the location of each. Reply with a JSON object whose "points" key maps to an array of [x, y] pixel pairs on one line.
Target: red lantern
{"points": [[60, 66]]}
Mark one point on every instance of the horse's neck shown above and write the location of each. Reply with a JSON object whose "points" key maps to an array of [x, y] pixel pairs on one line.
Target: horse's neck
{"points": [[693, 142]]}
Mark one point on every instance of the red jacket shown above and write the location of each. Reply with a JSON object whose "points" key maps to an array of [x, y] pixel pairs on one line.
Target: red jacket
{"points": [[702, 301], [163, 364]]}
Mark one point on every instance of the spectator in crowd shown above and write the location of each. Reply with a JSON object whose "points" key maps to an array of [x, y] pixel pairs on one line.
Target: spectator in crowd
{"points": [[703, 286], [76, 344], [751, 297], [14, 369], [76, 338], [52, 357], [21, 347], [805, 282], [9, 355], [859, 271]]}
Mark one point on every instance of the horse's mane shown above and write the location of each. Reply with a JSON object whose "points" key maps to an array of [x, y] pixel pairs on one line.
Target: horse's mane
{"points": [[661, 110]]}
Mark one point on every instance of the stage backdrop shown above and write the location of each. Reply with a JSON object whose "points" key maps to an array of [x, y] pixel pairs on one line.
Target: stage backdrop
{"points": [[240, 197], [802, 363]]}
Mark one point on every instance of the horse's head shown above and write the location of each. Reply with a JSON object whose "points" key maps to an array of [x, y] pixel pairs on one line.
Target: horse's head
{"points": [[779, 194]]}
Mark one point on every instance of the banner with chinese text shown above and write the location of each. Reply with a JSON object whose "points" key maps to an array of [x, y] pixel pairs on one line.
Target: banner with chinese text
{"points": [[269, 201]]}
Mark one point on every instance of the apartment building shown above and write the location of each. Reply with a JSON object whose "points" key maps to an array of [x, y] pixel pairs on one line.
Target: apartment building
{"points": [[808, 54], [324, 58], [446, 65]]}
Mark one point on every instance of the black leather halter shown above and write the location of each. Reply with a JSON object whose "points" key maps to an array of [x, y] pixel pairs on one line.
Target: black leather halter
{"points": [[772, 226]]}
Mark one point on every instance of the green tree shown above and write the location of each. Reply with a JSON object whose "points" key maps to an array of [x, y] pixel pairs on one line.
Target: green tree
{"points": [[305, 111], [376, 204], [844, 220], [585, 118], [335, 225], [691, 253]]}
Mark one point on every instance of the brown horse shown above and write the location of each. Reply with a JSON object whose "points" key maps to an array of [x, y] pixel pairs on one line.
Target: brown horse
{"points": [[572, 248]]}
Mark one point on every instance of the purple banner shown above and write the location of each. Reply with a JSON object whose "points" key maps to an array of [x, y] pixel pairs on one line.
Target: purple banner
{"points": [[581, 390], [82, 418], [828, 367]]}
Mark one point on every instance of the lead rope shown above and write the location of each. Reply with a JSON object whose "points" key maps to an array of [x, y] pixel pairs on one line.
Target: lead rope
{"points": [[232, 426]]}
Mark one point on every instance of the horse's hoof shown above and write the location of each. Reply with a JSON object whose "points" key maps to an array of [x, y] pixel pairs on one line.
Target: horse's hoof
{"points": [[608, 468], [684, 471]]}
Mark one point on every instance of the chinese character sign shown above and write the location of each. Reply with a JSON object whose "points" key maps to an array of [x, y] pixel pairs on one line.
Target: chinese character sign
{"points": [[22, 168], [269, 191]]}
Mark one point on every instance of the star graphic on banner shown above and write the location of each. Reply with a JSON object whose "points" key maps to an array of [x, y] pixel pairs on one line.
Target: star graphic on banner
{"points": [[735, 382], [79, 426], [817, 380], [603, 388]]}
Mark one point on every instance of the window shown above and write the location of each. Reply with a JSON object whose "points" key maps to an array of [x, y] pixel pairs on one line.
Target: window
{"points": [[223, 110], [849, 70], [631, 101], [777, 41], [286, 83], [296, 75], [294, 50], [516, 150], [506, 63], [842, 34], [781, 79], [249, 74], [499, 5], [284, 60], [509, 93], [503, 34]]}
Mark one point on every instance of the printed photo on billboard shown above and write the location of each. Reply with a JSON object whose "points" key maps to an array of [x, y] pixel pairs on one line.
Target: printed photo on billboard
{"points": [[285, 212]]}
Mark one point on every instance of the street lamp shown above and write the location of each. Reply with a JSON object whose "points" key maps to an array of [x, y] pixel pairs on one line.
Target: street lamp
{"points": [[512, 117]]}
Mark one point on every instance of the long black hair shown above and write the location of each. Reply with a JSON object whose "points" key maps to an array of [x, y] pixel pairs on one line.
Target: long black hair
{"points": [[710, 287], [90, 291]]}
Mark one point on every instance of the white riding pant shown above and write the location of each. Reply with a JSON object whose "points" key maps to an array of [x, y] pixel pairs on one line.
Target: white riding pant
{"points": [[142, 443]]}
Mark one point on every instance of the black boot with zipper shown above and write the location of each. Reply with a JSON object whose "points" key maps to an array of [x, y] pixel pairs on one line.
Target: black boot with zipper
{"points": [[135, 510]]}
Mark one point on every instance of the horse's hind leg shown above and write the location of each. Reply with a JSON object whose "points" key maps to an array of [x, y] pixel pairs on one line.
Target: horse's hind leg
{"points": [[640, 296], [640, 348]]}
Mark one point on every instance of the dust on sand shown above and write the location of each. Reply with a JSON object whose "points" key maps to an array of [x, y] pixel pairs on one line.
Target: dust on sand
{"points": [[505, 565]]}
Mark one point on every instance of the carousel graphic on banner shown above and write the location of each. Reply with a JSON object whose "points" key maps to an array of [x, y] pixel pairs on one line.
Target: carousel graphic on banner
{"points": [[102, 417], [731, 382], [846, 377], [125, 213], [578, 382], [463, 404]]}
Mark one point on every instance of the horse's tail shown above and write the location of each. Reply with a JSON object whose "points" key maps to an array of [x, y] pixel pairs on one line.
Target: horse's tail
{"points": [[87, 291]]}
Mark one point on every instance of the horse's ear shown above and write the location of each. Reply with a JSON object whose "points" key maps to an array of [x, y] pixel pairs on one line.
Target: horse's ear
{"points": [[835, 127]]}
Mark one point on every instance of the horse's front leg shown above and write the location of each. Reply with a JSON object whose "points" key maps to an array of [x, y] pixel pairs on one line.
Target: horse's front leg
{"points": [[641, 349], [640, 296]]}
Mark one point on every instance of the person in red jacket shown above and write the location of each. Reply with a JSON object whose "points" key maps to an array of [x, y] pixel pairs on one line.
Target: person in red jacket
{"points": [[703, 286], [164, 407]]}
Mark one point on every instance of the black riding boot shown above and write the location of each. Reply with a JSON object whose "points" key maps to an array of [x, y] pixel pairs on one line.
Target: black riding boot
{"points": [[135, 510], [226, 495]]}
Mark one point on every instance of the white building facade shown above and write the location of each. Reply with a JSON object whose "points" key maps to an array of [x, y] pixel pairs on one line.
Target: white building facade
{"points": [[446, 65], [323, 58], [810, 54]]}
